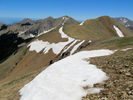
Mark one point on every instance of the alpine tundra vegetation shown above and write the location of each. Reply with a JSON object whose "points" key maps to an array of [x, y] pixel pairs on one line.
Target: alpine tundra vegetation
{"points": [[62, 58]]}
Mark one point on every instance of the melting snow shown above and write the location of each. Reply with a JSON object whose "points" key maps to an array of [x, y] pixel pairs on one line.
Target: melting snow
{"points": [[127, 25], [89, 41], [63, 35], [82, 23], [118, 31], [46, 31], [21, 32], [76, 47], [65, 19], [31, 35], [125, 20], [65, 79], [94, 90], [39, 45], [70, 45], [126, 49]]}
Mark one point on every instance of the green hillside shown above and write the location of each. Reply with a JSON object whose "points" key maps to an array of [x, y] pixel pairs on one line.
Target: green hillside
{"points": [[96, 29]]}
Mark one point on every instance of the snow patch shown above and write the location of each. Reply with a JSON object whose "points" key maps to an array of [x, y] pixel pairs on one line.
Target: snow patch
{"points": [[70, 46], [118, 31], [39, 45], [31, 35], [94, 90], [127, 25], [125, 20], [45, 32], [65, 79], [89, 41], [65, 19], [76, 47], [126, 49], [81, 23], [21, 32], [63, 35]]}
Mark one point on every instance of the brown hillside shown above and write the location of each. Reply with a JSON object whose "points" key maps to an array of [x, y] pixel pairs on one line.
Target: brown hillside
{"points": [[95, 29]]}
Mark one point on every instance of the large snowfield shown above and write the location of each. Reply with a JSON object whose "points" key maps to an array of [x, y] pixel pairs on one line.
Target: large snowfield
{"points": [[65, 79]]}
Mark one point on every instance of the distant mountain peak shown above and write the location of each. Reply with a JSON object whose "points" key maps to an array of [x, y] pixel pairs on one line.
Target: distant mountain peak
{"points": [[26, 20], [125, 21], [50, 17], [1, 24]]}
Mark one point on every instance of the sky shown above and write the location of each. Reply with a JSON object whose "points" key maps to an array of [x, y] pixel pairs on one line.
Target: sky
{"points": [[78, 9]]}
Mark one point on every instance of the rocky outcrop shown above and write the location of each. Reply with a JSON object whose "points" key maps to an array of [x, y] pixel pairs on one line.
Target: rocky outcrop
{"points": [[9, 43], [126, 22], [119, 68], [28, 28], [3, 26], [46, 24]]}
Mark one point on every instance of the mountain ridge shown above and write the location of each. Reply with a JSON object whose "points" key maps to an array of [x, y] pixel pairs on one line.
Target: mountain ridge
{"points": [[50, 46], [126, 22]]}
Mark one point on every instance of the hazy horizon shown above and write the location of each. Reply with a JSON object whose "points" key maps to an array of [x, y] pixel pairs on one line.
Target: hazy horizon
{"points": [[77, 9]]}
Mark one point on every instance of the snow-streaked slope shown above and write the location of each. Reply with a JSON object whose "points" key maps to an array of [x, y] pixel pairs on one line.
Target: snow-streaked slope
{"points": [[126, 49], [63, 35], [73, 43], [65, 79], [118, 31], [45, 32], [76, 47], [81, 23], [39, 45]]}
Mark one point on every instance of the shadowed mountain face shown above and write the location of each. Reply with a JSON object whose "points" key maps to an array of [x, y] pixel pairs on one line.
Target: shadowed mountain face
{"points": [[9, 43], [26, 22], [125, 21], [94, 29], [3, 26], [18, 33], [28, 27]]}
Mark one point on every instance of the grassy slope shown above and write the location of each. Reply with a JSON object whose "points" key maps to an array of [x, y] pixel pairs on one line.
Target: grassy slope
{"points": [[8, 65], [15, 85], [52, 36], [95, 29], [34, 61], [8, 91], [113, 43]]}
